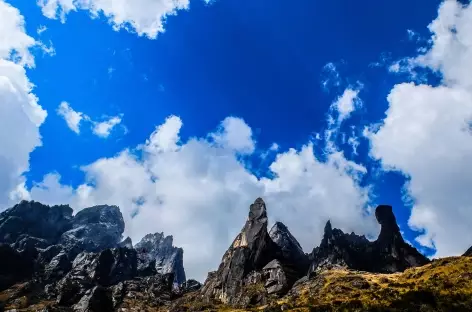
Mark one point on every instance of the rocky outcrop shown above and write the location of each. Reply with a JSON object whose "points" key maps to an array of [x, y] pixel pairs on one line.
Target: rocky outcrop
{"points": [[292, 256], [388, 254], [468, 253], [127, 243], [14, 266], [33, 219], [158, 250], [94, 229], [251, 250]]}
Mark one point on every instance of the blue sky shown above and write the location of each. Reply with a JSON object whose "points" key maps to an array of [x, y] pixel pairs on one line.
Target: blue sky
{"points": [[223, 83]]}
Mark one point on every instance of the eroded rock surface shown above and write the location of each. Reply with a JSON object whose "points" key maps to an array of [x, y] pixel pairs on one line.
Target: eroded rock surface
{"points": [[388, 254], [158, 250]]}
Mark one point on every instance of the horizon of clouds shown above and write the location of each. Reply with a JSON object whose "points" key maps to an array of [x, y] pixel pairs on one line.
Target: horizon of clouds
{"points": [[424, 136]]}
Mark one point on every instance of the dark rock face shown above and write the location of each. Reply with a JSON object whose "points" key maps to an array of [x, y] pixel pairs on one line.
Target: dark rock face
{"points": [[14, 266], [97, 299], [292, 255], [468, 253], [106, 268], [251, 250], [75, 261], [191, 285], [95, 228], [127, 243], [158, 250], [35, 220], [276, 281], [388, 254]]}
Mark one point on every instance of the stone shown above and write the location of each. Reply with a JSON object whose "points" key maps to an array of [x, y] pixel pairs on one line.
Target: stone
{"points": [[95, 229], [14, 266], [276, 281], [35, 220], [468, 253], [292, 254], [97, 299], [250, 251], [158, 249], [388, 254], [127, 243]]}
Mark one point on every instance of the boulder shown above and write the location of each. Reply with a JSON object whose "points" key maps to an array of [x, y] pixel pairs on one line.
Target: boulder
{"points": [[275, 278], [97, 299], [106, 268]]}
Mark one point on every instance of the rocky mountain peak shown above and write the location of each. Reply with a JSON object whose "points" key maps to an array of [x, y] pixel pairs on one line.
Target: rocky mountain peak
{"points": [[157, 250], [126, 243], [34, 219], [388, 222], [250, 251], [95, 228], [258, 211], [388, 254]]}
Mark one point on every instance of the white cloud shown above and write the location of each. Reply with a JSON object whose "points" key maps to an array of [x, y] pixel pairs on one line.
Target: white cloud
{"points": [[72, 118], [14, 42], [199, 190], [104, 128], [41, 29], [427, 135], [20, 113], [236, 135], [75, 119], [145, 17], [330, 77], [346, 104]]}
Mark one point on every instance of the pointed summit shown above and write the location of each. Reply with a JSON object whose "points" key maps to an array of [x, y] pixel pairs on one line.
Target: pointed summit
{"points": [[292, 255], [251, 250], [388, 254]]}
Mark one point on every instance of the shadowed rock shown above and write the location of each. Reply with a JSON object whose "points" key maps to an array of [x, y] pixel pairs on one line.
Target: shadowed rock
{"points": [[95, 229], [292, 255], [250, 251], [127, 243], [468, 253], [30, 218], [388, 254], [158, 250]]}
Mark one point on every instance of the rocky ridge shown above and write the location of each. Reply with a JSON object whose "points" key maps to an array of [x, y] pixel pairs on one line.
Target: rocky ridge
{"points": [[80, 262], [261, 270]]}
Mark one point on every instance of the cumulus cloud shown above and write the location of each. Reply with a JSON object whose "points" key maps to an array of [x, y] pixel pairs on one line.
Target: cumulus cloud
{"points": [[74, 119], [199, 190], [20, 113], [71, 117], [427, 135], [104, 128], [145, 17]]}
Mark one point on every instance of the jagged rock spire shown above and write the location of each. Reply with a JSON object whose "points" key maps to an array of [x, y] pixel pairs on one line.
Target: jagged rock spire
{"points": [[388, 254], [251, 250]]}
